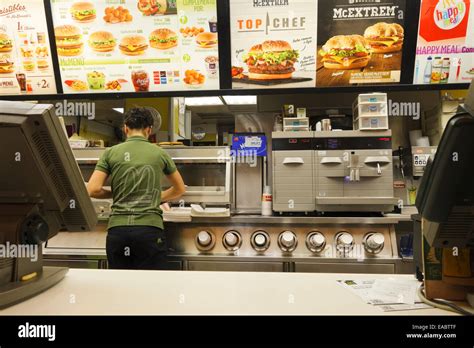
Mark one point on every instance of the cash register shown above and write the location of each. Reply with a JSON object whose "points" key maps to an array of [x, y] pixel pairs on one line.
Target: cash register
{"points": [[41, 192], [446, 205]]}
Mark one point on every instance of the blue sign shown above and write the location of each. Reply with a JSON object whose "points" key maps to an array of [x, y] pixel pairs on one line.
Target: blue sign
{"points": [[249, 145]]}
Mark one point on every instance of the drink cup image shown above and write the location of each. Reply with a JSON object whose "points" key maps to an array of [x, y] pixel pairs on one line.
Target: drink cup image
{"points": [[21, 78], [141, 81]]}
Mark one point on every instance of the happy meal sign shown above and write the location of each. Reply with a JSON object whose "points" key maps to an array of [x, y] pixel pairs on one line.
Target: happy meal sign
{"points": [[444, 19]]}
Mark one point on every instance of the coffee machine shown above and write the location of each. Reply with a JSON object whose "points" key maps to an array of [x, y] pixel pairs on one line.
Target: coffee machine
{"points": [[353, 171]]}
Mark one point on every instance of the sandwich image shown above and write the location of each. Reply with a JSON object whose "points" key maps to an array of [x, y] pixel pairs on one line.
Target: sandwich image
{"points": [[42, 64], [385, 37], [29, 65], [344, 52], [271, 60], [133, 45], [163, 39], [83, 12], [6, 66], [68, 40], [206, 40], [102, 41], [152, 7], [6, 44]]}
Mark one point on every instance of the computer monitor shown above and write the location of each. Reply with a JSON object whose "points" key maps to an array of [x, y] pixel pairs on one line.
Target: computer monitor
{"points": [[41, 192], [445, 202]]}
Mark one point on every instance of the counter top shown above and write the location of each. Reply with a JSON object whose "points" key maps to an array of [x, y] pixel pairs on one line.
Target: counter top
{"points": [[259, 219], [389, 218], [119, 292]]}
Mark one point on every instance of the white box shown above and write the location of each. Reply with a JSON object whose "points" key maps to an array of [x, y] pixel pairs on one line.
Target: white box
{"points": [[371, 123], [372, 98]]}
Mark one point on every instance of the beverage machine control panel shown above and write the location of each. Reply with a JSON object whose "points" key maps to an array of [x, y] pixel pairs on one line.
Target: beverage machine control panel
{"points": [[421, 156]]}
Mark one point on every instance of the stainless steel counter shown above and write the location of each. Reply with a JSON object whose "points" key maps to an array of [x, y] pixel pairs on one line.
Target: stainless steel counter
{"points": [[293, 220], [87, 250]]}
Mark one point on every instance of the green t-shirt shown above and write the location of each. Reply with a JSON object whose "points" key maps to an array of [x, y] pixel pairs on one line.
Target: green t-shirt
{"points": [[136, 168]]}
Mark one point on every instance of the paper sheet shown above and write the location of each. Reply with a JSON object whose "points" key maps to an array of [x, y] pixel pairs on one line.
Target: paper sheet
{"points": [[403, 307], [390, 291], [388, 294]]}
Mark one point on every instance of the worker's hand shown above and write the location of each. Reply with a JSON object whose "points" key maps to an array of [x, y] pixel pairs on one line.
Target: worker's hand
{"points": [[165, 207]]}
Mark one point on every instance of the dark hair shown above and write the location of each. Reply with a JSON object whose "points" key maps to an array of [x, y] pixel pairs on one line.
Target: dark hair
{"points": [[139, 118]]}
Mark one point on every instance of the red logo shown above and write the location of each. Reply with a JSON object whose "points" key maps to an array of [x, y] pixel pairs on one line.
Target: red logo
{"points": [[444, 19]]}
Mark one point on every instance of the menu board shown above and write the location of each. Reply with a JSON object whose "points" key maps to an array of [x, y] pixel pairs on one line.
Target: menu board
{"points": [[327, 43], [445, 49], [25, 55], [273, 43], [360, 42], [110, 46]]}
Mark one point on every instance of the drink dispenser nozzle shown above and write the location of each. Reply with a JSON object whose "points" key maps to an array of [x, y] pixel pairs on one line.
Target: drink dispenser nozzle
{"points": [[354, 168]]}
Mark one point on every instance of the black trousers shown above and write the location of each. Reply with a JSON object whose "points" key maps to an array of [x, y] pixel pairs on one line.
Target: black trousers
{"points": [[136, 247]]}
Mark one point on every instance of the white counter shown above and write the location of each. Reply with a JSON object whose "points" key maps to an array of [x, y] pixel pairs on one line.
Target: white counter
{"points": [[110, 292]]}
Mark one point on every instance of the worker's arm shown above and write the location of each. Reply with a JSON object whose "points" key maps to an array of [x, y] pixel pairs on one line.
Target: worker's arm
{"points": [[177, 188], [95, 186]]}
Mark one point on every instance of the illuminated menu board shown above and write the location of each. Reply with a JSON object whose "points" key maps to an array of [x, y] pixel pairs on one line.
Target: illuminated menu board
{"points": [[111, 46], [360, 42], [273, 43], [316, 43], [25, 55], [445, 48]]}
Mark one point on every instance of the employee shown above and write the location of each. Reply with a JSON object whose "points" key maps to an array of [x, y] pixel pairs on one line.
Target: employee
{"points": [[135, 238]]}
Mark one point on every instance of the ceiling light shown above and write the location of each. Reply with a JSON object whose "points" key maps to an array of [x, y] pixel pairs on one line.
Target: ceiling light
{"points": [[240, 99], [120, 110], [203, 101]]}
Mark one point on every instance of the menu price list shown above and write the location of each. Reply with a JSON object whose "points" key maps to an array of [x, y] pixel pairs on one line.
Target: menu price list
{"points": [[137, 45], [25, 55]]}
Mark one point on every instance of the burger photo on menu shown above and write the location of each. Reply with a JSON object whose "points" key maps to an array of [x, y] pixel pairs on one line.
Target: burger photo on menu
{"points": [[345, 52], [133, 45], [43, 64], [6, 66], [156, 7], [385, 37], [163, 39], [29, 65], [271, 60], [102, 41], [365, 48], [83, 12], [206, 40], [6, 44], [68, 40]]}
